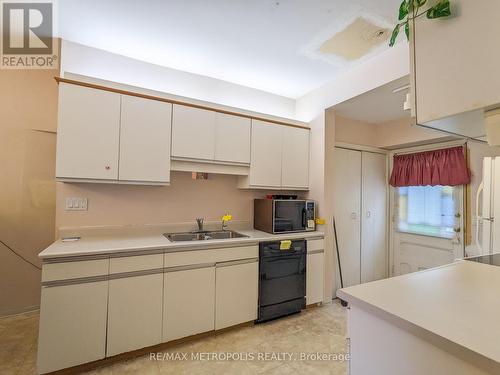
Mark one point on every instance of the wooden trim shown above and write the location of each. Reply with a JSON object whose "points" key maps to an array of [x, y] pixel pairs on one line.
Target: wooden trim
{"points": [[172, 101]]}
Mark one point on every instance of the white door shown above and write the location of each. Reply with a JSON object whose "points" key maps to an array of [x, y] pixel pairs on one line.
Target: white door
{"points": [[347, 207], [188, 302], [145, 140], [232, 138], [374, 249], [88, 133], [72, 325], [193, 133], [134, 313], [295, 163], [427, 227], [265, 165], [237, 293]]}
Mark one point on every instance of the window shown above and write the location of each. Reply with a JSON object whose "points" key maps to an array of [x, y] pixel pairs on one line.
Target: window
{"points": [[427, 210]]}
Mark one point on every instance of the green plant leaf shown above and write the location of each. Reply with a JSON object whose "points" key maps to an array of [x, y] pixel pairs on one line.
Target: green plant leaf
{"points": [[403, 10], [407, 30], [420, 3], [409, 4], [441, 9], [394, 35]]}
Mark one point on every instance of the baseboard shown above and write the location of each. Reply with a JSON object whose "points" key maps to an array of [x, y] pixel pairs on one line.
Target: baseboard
{"points": [[13, 312]]}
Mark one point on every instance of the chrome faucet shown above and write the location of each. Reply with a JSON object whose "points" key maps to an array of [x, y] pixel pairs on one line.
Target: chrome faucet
{"points": [[224, 224], [199, 221], [225, 219]]}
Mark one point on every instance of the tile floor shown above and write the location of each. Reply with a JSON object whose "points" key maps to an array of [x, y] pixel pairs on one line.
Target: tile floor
{"points": [[316, 330]]}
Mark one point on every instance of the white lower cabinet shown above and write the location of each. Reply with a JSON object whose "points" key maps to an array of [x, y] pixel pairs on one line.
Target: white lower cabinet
{"points": [[236, 295], [188, 302], [134, 313], [72, 325], [315, 277]]}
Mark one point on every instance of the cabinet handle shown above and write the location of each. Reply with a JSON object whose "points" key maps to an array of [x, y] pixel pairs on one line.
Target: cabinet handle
{"points": [[107, 167], [368, 213], [354, 215]]}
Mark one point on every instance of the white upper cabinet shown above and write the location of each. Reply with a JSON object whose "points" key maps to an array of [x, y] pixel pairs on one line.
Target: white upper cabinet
{"points": [[193, 133], [279, 157], [265, 165], [206, 135], [105, 136], [456, 61], [295, 159], [145, 140], [88, 133], [232, 138]]}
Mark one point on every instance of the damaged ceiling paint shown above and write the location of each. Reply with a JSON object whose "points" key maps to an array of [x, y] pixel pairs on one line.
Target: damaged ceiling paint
{"points": [[356, 40], [352, 37], [282, 47]]}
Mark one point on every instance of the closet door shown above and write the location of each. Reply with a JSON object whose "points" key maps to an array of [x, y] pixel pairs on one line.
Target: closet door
{"points": [[374, 217], [347, 206]]}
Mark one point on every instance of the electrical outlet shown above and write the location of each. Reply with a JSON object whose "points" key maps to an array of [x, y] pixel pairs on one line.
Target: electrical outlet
{"points": [[76, 204]]}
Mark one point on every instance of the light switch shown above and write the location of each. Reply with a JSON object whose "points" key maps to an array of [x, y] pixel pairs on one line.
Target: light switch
{"points": [[76, 204]]}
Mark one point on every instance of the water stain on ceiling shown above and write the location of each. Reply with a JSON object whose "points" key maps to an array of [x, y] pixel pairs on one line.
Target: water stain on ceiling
{"points": [[356, 40]]}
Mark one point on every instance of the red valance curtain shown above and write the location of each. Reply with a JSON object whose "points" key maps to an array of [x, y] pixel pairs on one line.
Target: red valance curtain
{"points": [[438, 167]]}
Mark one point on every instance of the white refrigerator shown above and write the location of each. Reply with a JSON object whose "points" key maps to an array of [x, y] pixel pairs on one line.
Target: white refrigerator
{"points": [[487, 236]]}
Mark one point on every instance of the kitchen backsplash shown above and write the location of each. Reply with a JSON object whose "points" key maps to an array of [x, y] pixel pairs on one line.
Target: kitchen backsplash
{"points": [[181, 202]]}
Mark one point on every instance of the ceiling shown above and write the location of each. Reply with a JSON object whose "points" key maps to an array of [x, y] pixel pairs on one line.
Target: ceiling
{"points": [[272, 45], [378, 105]]}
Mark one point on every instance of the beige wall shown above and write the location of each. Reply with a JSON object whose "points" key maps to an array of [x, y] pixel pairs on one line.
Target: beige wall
{"points": [[404, 132], [354, 131], [183, 201], [390, 134], [27, 195]]}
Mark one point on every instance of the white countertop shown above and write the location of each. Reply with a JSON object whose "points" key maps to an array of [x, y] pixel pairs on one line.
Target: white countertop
{"points": [[126, 242], [459, 302]]}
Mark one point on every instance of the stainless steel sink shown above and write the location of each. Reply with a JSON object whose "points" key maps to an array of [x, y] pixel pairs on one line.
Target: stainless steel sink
{"points": [[223, 234], [203, 236]]}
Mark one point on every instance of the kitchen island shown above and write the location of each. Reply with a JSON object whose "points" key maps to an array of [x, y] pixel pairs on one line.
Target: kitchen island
{"points": [[438, 321]]}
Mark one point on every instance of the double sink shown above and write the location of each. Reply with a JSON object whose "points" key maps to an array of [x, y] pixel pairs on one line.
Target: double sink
{"points": [[203, 236]]}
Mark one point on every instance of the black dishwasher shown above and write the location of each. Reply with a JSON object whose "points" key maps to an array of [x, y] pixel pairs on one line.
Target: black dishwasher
{"points": [[282, 278]]}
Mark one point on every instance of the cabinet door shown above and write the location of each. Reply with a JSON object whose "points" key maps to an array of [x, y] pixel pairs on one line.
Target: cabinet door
{"points": [[188, 302], [232, 138], [265, 165], [295, 164], [236, 296], [374, 217], [87, 133], [315, 277], [347, 207], [135, 313], [145, 140], [72, 325], [465, 46], [193, 133]]}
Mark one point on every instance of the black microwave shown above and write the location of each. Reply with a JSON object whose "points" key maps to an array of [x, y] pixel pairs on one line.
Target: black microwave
{"points": [[284, 215]]}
